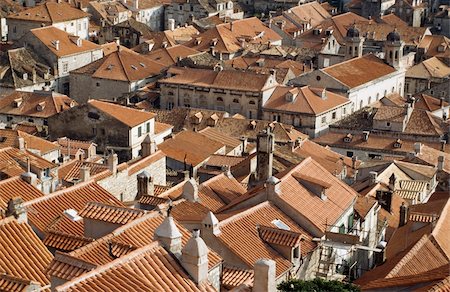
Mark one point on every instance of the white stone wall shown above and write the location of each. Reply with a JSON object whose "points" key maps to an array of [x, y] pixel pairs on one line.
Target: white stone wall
{"points": [[78, 27], [77, 61], [153, 17]]}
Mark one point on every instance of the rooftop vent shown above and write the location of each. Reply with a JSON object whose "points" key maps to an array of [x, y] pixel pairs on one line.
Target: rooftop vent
{"points": [[280, 224], [72, 215], [133, 67]]}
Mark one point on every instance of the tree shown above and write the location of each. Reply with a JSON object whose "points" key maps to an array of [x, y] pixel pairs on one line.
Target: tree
{"points": [[316, 285]]}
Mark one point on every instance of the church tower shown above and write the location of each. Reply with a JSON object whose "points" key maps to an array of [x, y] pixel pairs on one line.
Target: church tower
{"points": [[353, 43], [393, 49]]}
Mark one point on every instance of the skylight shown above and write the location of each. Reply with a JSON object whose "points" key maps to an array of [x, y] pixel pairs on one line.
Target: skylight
{"points": [[280, 224]]}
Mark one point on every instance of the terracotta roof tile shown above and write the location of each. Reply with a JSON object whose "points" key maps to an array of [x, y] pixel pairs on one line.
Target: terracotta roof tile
{"points": [[279, 237], [65, 242], [128, 116], [9, 138], [68, 267], [233, 277], [148, 268], [215, 135], [110, 213], [43, 211], [192, 147], [16, 187], [122, 65], [10, 283], [169, 56], [239, 233], [305, 100], [22, 254], [47, 35], [144, 162], [71, 171], [12, 156], [35, 104], [50, 12], [152, 200], [353, 73]]}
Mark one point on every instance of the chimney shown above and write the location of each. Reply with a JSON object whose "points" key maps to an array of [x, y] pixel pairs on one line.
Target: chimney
{"points": [[20, 143], [194, 258], [354, 160], [324, 94], [190, 190], [15, 208], [373, 177], [136, 4], [57, 45], [392, 181], [85, 174], [171, 24], [443, 143], [145, 185], [30, 178], [169, 236], [441, 161], [244, 141], [113, 161], [148, 147], [441, 102], [117, 41], [366, 135], [211, 223], [417, 148], [226, 169], [264, 277], [264, 157], [403, 215], [273, 186]]}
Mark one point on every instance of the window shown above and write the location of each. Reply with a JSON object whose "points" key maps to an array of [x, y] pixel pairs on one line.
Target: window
{"points": [[333, 115], [170, 93], [296, 252], [94, 131], [388, 124], [45, 122], [324, 120], [148, 127], [103, 131], [349, 153], [378, 96], [9, 119], [219, 99], [170, 105], [350, 222], [344, 110], [235, 100], [342, 228], [361, 104], [252, 102], [370, 99], [97, 84], [139, 131], [318, 78], [277, 118], [30, 120], [14, 29], [392, 90], [65, 67]]}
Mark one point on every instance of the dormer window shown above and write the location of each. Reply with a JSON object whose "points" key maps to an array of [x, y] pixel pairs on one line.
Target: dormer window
{"points": [[348, 138], [398, 143]]}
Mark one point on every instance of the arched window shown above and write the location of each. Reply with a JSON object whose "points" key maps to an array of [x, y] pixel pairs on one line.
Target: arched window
{"points": [[252, 102], [219, 99], [370, 99], [378, 96], [390, 55], [170, 93], [235, 100]]}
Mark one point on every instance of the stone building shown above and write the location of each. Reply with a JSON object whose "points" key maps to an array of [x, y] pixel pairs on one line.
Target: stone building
{"points": [[441, 20], [309, 109], [425, 75], [179, 13], [121, 72], [149, 12], [413, 12], [35, 108], [57, 14], [24, 71], [352, 79], [225, 90], [108, 12], [62, 51], [110, 126]]}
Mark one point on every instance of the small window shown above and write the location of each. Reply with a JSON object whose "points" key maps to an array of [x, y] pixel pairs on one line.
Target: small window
{"points": [[30, 120], [219, 99], [170, 93], [139, 131], [296, 252], [252, 102], [97, 84], [349, 153], [9, 118], [103, 131], [148, 127], [65, 67], [45, 122], [344, 110], [94, 131], [235, 100], [318, 78], [333, 115], [388, 124], [342, 228], [324, 120]]}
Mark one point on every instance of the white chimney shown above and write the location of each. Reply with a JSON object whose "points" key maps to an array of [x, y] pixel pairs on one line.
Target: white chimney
{"points": [[85, 174], [113, 161], [194, 258], [171, 24], [15, 208], [210, 222], [57, 45], [264, 278], [169, 235], [20, 143], [273, 187], [190, 190]]}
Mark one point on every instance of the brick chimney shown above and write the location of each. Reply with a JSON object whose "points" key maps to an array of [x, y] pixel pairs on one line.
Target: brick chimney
{"points": [[169, 235], [265, 273], [190, 190], [194, 258]]}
